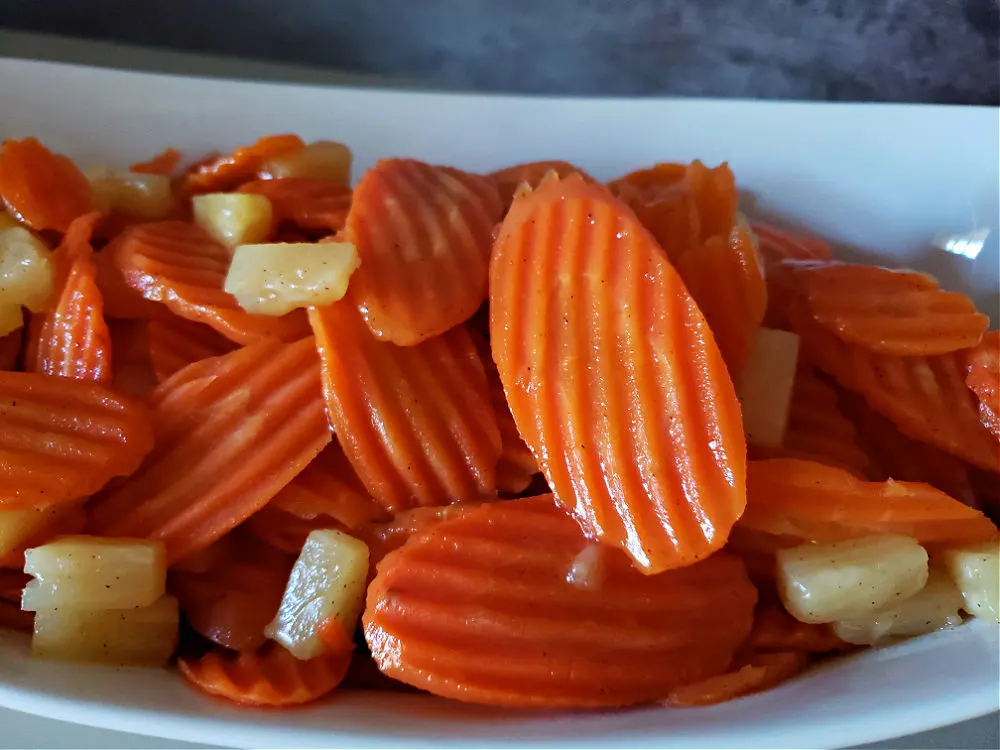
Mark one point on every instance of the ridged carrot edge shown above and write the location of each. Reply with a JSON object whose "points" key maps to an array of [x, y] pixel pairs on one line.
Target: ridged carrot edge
{"points": [[776, 630], [44, 190], [509, 179], [164, 163], [776, 245], [308, 203], [983, 378], [751, 674], [174, 343], [221, 173]]}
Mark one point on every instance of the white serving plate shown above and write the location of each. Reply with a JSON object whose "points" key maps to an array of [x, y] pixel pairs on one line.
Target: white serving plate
{"points": [[883, 180]]}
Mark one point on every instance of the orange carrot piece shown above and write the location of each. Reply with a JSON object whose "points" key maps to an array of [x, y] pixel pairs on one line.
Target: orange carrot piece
{"points": [[509, 179], [423, 235], [131, 368], [13, 618], [309, 204], [72, 340], [613, 377], [823, 503], [752, 674], [164, 163], [226, 172], [174, 343], [492, 607], [757, 549], [416, 422], [178, 264], [982, 366], [10, 349], [41, 189], [776, 630], [388, 536], [231, 432], [285, 531], [776, 245], [63, 439], [270, 676], [121, 301]]}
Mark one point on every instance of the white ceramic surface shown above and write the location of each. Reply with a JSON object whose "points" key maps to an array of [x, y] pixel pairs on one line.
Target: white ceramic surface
{"points": [[884, 180]]}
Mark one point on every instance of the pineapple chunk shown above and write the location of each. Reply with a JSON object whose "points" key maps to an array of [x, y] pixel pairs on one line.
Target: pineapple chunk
{"points": [[326, 160], [11, 318], [146, 196], [976, 571], [932, 608], [26, 269], [17, 526], [851, 579], [277, 278], [765, 388], [83, 572], [141, 636], [234, 218], [328, 580]]}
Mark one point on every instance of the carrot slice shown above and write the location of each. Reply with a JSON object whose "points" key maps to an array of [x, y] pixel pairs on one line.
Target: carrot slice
{"points": [[385, 537], [824, 503], [10, 349], [270, 676], [776, 630], [613, 377], [776, 245], [509, 179], [121, 301], [178, 264], [752, 674], [982, 366], [175, 343], [231, 432], [416, 422], [493, 606], [164, 163], [901, 313], [131, 368], [305, 202], [423, 234], [925, 397], [41, 189], [63, 439], [72, 340], [226, 172]]}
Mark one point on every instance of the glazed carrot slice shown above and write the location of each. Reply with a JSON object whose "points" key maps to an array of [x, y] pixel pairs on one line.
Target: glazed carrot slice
{"points": [[121, 301], [776, 630], [268, 677], [982, 366], [231, 432], [41, 189], [416, 422], [823, 503], [10, 349], [776, 245], [901, 313], [63, 439], [305, 202], [752, 674], [226, 172], [178, 264], [509, 179], [509, 604], [131, 369], [387, 536], [423, 234], [164, 163], [174, 343], [285, 531], [614, 378], [72, 340], [925, 397]]}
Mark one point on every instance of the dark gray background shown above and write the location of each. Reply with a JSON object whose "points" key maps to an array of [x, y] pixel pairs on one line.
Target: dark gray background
{"points": [[864, 50]]}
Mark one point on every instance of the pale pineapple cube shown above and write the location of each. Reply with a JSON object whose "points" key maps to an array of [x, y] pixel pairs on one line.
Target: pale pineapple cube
{"points": [[276, 278], [145, 196], [821, 583], [11, 318], [932, 608], [140, 636], [328, 580], [765, 387], [85, 572], [975, 568], [234, 218], [26, 269], [325, 160], [17, 526]]}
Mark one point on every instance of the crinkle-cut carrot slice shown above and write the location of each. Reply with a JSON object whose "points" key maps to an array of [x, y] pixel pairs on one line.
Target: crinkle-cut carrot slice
{"points": [[613, 377], [178, 264], [226, 172], [174, 343], [10, 349], [42, 189], [824, 503], [901, 313], [423, 235], [59, 520], [758, 551], [387, 536], [285, 531], [726, 279], [783, 290], [510, 604], [121, 302], [231, 432], [72, 339], [776, 630], [131, 368], [270, 676], [164, 163], [986, 490], [415, 422], [63, 439], [777, 245], [13, 618], [329, 493], [925, 397], [751, 674], [509, 179], [982, 366], [232, 601], [308, 203]]}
